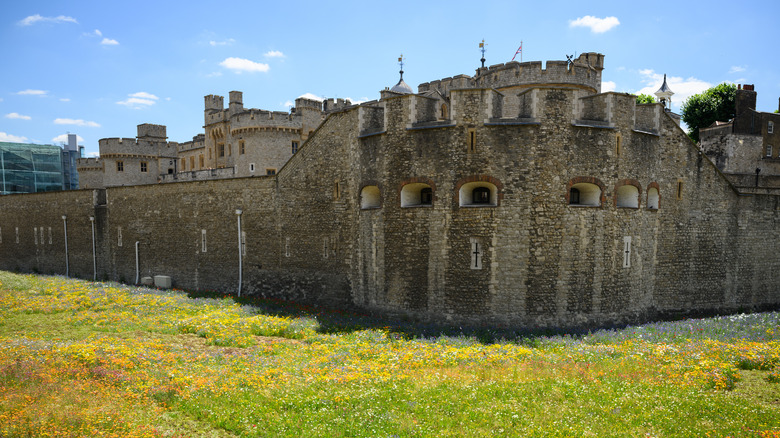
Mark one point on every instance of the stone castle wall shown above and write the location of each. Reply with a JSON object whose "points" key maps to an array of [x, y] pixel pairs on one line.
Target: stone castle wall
{"points": [[341, 224]]}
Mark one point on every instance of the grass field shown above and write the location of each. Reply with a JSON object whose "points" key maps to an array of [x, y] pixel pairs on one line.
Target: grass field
{"points": [[97, 359]]}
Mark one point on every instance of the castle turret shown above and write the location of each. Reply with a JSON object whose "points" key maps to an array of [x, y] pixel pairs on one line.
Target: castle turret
{"points": [[236, 102], [214, 102]]}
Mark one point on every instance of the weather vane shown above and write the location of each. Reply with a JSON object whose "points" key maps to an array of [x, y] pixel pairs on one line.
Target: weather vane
{"points": [[569, 60], [482, 48]]}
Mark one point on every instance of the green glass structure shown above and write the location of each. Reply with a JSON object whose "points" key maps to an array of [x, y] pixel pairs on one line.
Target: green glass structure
{"points": [[30, 168]]}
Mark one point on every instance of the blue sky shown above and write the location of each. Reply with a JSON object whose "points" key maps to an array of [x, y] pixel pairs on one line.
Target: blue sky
{"points": [[98, 69]]}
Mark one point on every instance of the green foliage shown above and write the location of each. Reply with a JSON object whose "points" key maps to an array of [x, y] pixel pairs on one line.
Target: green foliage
{"points": [[702, 110], [644, 98]]}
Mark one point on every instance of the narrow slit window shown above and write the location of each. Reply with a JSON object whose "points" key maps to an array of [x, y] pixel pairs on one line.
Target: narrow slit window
{"points": [[119, 236], [241, 147], [618, 145], [476, 254], [243, 243], [1, 235], [35, 234], [294, 147], [42, 239], [472, 139], [336, 191], [627, 251], [287, 247], [17, 234], [50, 239], [203, 240], [679, 189], [325, 248]]}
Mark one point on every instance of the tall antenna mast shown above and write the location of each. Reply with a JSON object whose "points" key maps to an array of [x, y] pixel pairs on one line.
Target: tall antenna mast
{"points": [[482, 48]]}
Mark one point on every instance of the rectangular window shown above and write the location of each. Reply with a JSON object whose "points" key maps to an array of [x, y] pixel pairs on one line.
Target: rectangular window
{"points": [[769, 150], [144, 166], [120, 166], [241, 147], [50, 236], [627, 251], [201, 161], [203, 240], [325, 248], [270, 171], [230, 150], [42, 241], [287, 247], [336, 191], [770, 127], [118, 236], [17, 234], [221, 149], [183, 164], [294, 147], [243, 243], [192, 162], [679, 189], [35, 233], [476, 254]]}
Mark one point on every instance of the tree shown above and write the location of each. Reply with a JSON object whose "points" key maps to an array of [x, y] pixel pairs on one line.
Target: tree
{"points": [[704, 109], [645, 98]]}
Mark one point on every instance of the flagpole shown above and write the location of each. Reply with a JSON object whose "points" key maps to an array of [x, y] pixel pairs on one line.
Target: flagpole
{"points": [[521, 51]]}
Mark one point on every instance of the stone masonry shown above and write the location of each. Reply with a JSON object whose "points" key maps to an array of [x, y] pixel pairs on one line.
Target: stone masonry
{"points": [[527, 199]]}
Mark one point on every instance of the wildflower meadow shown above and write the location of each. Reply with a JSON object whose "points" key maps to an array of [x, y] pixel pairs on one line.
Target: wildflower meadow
{"points": [[106, 360]]}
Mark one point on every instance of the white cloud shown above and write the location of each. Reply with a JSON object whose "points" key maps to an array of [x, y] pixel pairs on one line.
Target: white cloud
{"points": [[311, 96], [214, 74], [240, 65], [288, 104], [93, 154], [77, 122], [98, 33], [64, 139], [144, 95], [32, 19], [12, 138], [683, 88], [29, 92], [607, 86], [64, 99], [139, 100], [274, 54], [737, 69], [109, 42], [227, 42], [596, 25], [17, 116]]}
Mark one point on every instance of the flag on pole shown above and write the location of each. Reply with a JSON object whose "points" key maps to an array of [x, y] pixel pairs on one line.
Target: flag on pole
{"points": [[519, 50]]}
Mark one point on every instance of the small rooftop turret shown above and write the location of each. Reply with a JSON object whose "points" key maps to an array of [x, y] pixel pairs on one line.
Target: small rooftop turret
{"points": [[664, 94], [402, 87]]}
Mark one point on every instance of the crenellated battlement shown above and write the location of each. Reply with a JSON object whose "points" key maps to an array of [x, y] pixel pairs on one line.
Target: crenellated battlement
{"points": [[87, 164], [583, 72], [146, 146]]}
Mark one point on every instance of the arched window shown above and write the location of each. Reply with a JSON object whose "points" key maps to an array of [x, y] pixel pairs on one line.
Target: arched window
{"points": [[370, 197], [585, 194], [445, 113], [416, 195], [627, 194], [653, 196], [426, 196], [574, 196], [478, 194]]}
